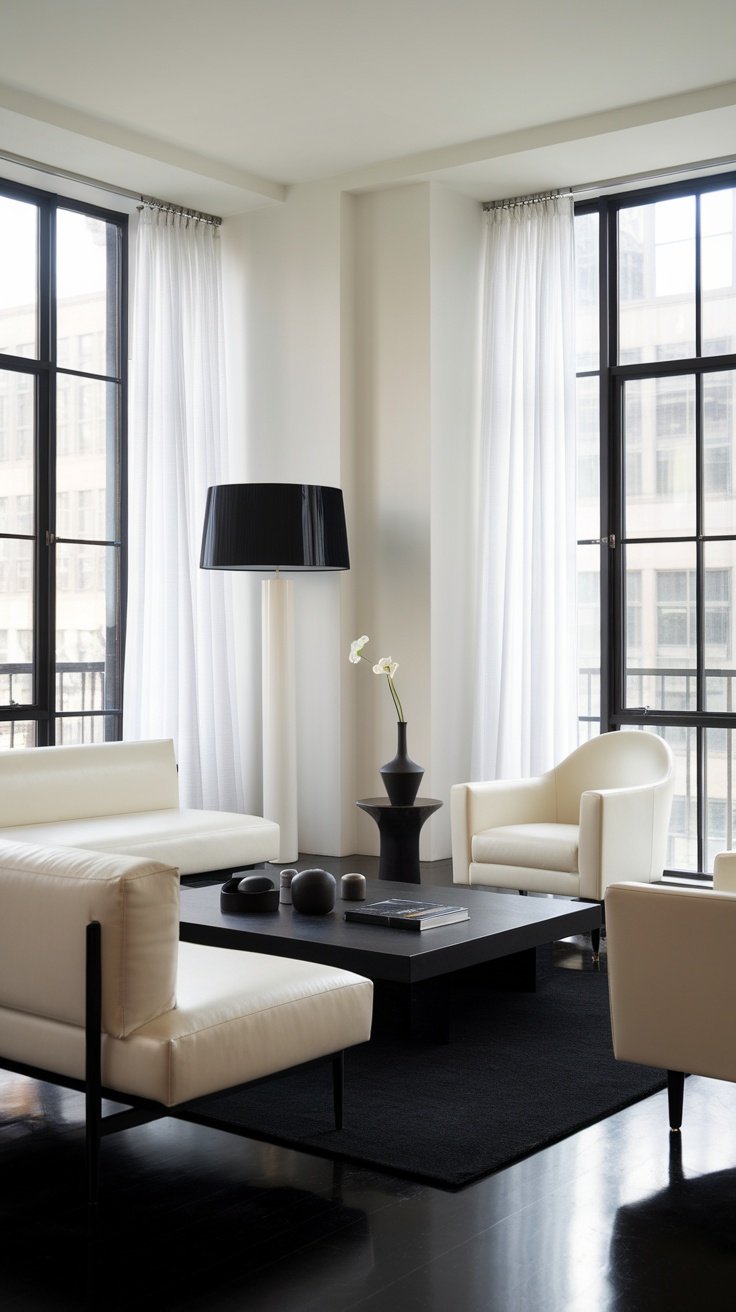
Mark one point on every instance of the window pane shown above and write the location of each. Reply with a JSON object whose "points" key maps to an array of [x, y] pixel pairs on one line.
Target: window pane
{"points": [[589, 637], [720, 560], [719, 502], [717, 273], [86, 618], [659, 596], [16, 621], [586, 282], [588, 458], [86, 255], [17, 427], [86, 458], [17, 733], [18, 278], [719, 799], [74, 729], [656, 280], [659, 456]]}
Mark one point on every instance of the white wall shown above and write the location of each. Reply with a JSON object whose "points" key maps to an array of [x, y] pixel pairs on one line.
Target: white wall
{"points": [[352, 331], [282, 280], [456, 259]]}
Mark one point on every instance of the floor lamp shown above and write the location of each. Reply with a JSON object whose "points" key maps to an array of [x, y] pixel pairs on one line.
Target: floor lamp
{"points": [[270, 527]]}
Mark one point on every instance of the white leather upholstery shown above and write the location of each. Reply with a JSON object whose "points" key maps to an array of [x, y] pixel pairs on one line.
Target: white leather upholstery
{"points": [[671, 979], [123, 797], [236, 1015], [724, 872], [601, 814]]}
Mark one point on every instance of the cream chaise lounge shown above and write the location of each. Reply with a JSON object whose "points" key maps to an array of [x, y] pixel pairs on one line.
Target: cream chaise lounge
{"points": [[96, 991], [123, 797]]}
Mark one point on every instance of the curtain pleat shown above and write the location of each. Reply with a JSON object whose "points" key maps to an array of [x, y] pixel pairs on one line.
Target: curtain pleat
{"points": [[526, 684], [179, 662]]}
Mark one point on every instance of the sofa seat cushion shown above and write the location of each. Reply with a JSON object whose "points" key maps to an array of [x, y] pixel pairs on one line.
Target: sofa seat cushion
{"points": [[193, 841], [541, 846], [239, 1016]]}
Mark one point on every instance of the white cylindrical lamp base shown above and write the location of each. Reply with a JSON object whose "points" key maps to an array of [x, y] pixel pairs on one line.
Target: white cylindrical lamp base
{"points": [[279, 713]]}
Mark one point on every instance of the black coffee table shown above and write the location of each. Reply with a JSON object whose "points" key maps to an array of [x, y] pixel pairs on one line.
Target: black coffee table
{"points": [[410, 970]]}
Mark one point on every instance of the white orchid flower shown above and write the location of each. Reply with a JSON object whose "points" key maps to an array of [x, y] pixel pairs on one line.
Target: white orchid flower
{"points": [[386, 666], [356, 649]]}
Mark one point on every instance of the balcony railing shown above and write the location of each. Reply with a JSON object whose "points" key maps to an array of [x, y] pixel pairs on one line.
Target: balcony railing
{"points": [[671, 689], [80, 701]]}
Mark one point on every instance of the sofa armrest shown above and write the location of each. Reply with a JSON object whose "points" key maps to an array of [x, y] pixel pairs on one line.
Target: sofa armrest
{"points": [[671, 980], [621, 836], [487, 804], [724, 872]]}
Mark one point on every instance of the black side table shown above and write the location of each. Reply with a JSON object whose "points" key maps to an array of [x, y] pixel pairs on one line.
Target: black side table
{"points": [[399, 828]]}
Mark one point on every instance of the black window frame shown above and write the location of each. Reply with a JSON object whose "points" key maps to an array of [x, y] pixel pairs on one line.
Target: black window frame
{"points": [[613, 374], [44, 370]]}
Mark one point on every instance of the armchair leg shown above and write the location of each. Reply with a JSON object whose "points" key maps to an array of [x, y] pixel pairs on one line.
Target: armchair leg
{"points": [[675, 1095], [338, 1086]]}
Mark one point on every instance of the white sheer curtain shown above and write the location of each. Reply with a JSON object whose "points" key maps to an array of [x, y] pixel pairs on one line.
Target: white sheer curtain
{"points": [[525, 695], [179, 675]]}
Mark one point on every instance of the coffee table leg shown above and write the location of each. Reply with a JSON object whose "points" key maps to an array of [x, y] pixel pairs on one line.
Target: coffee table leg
{"points": [[415, 1010]]}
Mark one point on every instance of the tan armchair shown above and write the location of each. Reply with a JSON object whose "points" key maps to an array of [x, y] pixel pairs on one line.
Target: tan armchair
{"points": [[671, 982], [602, 814]]}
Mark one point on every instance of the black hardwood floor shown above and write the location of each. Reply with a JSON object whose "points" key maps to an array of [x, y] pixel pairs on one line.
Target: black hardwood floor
{"points": [[193, 1218]]}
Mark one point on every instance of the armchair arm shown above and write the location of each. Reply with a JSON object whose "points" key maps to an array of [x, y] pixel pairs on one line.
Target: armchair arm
{"points": [[671, 980], [485, 805], [623, 835]]}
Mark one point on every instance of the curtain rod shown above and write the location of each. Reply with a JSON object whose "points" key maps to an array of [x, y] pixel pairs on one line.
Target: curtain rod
{"points": [[603, 184], [55, 172]]}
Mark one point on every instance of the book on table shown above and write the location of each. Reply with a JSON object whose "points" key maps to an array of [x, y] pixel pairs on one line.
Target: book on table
{"points": [[405, 913]]}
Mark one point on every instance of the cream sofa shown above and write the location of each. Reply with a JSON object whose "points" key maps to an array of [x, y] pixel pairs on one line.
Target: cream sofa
{"points": [[123, 797], [671, 981], [149, 1018]]}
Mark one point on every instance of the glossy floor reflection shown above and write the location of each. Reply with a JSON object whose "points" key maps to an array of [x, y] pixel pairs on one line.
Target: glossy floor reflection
{"points": [[197, 1219]]}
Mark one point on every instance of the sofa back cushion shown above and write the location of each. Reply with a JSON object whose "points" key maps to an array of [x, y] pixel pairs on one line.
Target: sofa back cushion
{"points": [[41, 784], [48, 896]]}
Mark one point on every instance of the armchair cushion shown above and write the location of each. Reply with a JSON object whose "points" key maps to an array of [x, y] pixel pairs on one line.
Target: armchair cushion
{"points": [[553, 847]]}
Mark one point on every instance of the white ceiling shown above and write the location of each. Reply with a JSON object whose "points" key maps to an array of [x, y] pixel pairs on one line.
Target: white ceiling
{"points": [[228, 102]]}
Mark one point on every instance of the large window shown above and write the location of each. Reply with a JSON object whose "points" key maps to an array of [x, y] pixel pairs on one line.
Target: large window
{"points": [[656, 387], [62, 423]]}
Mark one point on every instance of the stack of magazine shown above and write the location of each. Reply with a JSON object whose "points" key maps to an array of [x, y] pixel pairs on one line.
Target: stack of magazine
{"points": [[403, 913]]}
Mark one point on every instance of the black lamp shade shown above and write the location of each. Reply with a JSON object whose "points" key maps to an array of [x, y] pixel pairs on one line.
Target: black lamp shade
{"points": [[268, 526]]}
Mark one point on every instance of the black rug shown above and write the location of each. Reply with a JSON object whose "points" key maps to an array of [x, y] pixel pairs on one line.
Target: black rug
{"points": [[521, 1071]]}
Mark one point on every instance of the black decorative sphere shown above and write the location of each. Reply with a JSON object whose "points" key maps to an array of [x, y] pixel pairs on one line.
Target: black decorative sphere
{"points": [[255, 884], [313, 892]]}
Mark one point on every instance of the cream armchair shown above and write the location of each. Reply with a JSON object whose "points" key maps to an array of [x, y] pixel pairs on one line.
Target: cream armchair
{"points": [[602, 814], [671, 982]]}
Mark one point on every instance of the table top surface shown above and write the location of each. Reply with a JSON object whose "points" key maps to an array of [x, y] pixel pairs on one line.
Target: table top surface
{"points": [[499, 924], [383, 804]]}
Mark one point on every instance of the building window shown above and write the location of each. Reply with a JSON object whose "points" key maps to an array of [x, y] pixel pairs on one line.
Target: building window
{"points": [[63, 357], [665, 371]]}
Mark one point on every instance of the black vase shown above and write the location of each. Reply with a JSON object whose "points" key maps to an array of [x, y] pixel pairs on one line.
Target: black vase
{"points": [[401, 776]]}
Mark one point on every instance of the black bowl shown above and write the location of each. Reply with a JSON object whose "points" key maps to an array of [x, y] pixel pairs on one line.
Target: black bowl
{"points": [[259, 898]]}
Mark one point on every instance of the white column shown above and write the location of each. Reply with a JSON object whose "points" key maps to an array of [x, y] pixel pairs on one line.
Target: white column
{"points": [[279, 713]]}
